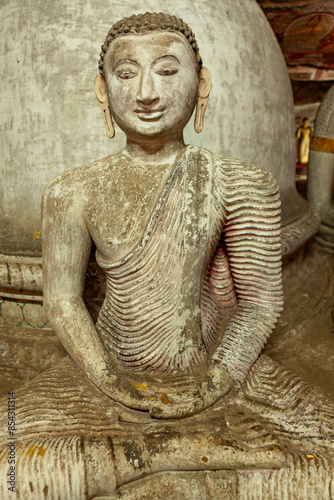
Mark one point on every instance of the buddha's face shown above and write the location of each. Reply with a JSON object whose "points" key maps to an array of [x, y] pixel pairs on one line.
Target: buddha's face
{"points": [[152, 84]]}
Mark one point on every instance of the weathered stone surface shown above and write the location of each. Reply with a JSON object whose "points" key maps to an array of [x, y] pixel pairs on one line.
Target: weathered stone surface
{"points": [[24, 353], [275, 411], [168, 387]]}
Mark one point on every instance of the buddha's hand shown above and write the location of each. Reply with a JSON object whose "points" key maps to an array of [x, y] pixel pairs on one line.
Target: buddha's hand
{"points": [[216, 384], [124, 389], [151, 393], [197, 395], [169, 396]]}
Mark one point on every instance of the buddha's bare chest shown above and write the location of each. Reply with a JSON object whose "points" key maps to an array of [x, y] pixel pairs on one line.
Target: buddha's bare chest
{"points": [[120, 208]]}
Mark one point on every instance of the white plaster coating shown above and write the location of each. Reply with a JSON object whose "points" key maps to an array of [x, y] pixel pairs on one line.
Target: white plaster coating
{"points": [[50, 121]]}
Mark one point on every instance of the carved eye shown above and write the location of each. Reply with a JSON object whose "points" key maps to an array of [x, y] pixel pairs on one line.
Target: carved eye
{"points": [[126, 75], [166, 72]]}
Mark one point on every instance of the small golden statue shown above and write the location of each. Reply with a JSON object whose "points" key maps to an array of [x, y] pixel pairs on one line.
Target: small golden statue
{"points": [[304, 136]]}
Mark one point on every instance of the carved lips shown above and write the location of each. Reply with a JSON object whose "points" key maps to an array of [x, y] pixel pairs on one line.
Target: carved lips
{"points": [[149, 114]]}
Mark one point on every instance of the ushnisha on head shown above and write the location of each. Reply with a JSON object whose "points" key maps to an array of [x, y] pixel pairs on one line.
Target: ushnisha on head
{"points": [[151, 76]]}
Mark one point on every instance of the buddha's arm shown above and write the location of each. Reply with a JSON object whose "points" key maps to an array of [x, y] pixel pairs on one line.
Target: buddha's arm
{"points": [[252, 238], [66, 251]]}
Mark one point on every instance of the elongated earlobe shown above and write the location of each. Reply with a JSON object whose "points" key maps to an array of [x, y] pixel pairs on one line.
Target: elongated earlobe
{"points": [[203, 97], [107, 120], [200, 111], [102, 99]]}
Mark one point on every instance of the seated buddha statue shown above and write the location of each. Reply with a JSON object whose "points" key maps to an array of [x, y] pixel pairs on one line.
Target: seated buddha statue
{"points": [[189, 241], [170, 377]]}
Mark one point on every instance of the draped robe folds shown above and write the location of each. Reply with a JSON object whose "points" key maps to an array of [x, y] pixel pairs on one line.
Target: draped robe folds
{"points": [[212, 241]]}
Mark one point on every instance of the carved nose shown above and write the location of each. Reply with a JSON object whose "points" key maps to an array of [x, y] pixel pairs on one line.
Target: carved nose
{"points": [[147, 93]]}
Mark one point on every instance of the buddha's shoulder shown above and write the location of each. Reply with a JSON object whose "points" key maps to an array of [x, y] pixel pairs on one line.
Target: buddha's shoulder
{"points": [[235, 171], [77, 180]]}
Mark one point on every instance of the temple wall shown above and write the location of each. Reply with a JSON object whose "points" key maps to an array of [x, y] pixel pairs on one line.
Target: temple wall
{"points": [[50, 121]]}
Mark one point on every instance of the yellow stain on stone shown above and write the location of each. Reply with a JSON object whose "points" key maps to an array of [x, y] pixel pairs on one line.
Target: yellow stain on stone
{"points": [[37, 234], [206, 438], [150, 398], [141, 386], [40, 453], [309, 458], [164, 399]]}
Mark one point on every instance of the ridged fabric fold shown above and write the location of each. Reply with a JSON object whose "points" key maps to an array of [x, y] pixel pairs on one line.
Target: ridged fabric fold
{"points": [[252, 237]]}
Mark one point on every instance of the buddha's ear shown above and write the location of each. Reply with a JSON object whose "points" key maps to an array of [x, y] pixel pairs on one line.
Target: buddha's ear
{"points": [[100, 88], [204, 88], [204, 82], [102, 98]]}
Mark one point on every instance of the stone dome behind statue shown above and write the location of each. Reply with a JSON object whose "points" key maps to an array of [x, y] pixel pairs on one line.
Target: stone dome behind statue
{"points": [[51, 123]]}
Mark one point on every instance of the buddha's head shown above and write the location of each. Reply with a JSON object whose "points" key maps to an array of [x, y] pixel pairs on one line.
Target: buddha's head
{"points": [[151, 77]]}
